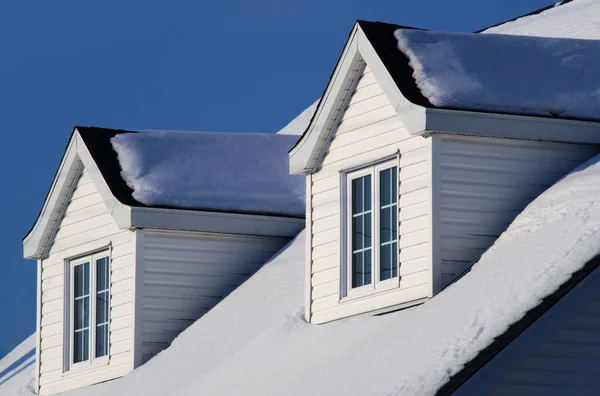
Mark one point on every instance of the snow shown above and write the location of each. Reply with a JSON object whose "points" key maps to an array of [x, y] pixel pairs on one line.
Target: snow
{"points": [[299, 124], [240, 172], [506, 74], [255, 342], [576, 19], [17, 370]]}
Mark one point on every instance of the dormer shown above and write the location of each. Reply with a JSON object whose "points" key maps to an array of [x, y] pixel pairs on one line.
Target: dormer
{"points": [[416, 159]]}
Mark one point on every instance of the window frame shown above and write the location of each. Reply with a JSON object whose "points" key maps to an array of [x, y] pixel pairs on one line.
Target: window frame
{"points": [[347, 292], [92, 258]]}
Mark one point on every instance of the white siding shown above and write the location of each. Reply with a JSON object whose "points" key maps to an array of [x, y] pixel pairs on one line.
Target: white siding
{"points": [[86, 226], [369, 131], [185, 274], [558, 355], [483, 184]]}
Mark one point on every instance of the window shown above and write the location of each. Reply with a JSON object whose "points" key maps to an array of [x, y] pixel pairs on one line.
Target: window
{"points": [[372, 228], [88, 309]]}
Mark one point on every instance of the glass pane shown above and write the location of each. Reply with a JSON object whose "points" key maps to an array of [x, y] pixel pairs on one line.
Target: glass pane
{"points": [[394, 171], [394, 225], [81, 279], [367, 192], [367, 267], [102, 340], [102, 308], [102, 274], [81, 346], [394, 259], [367, 230], [82, 313], [385, 257], [357, 195], [385, 187], [357, 232], [385, 224], [357, 265]]}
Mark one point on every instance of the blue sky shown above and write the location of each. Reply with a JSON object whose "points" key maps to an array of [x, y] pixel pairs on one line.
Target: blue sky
{"points": [[228, 65]]}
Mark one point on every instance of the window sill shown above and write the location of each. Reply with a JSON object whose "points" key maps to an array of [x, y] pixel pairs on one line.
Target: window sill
{"points": [[368, 292], [85, 367]]}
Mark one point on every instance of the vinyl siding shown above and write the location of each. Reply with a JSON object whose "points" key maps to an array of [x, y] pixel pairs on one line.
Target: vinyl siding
{"points": [[85, 227], [484, 183], [369, 131], [185, 274], [558, 355]]}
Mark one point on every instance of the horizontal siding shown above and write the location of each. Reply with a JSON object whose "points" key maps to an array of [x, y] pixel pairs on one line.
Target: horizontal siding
{"points": [[186, 274], [86, 226], [369, 131], [557, 355], [484, 185]]}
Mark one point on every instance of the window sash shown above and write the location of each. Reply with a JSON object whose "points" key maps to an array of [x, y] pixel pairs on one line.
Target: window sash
{"points": [[383, 213], [88, 326]]}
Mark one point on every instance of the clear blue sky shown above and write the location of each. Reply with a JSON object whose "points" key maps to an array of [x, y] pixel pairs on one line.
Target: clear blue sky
{"points": [[227, 65]]}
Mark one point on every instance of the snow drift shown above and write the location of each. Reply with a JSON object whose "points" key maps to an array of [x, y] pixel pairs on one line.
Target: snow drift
{"points": [[240, 172], [506, 74]]}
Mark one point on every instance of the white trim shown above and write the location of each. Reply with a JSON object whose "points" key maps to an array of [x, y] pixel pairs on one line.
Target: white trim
{"points": [[435, 188], [375, 285], [308, 251], [91, 258], [38, 326], [217, 222], [138, 253]]}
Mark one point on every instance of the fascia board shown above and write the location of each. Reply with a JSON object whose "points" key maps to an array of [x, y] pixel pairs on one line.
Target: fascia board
{"points": [[36, 242], [121, 213], [303, 154], [215, 222], [459, 122]]}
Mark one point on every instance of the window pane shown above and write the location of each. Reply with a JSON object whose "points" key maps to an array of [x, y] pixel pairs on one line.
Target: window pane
{"points": [[81, 279], [102, 274], [102, 308], [361, 268], [102, 340], [367, 193], [367, 230], [385, 257], [394, 224], [394, 171], [357, 232], [394, 259], [81, 346], [357, 195], [385, 187], [82, 313], [385, 224]]}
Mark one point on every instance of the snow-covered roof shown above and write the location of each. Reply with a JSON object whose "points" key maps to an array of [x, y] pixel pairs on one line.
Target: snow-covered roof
{"points": [[299, 124], [568, 19], [551, 77], [239, 172], [17, 370], [256, 342]]}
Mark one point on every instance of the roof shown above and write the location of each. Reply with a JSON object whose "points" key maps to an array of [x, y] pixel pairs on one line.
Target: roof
{"points": [[232, 172], [568, 19], [271, 347], [195, 181]]}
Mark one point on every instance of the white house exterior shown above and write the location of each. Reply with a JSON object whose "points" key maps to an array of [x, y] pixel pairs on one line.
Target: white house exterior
{"points": [[460, 178], [118, 281]]}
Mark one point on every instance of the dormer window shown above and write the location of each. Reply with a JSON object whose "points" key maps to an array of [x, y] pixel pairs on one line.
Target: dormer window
{"points": [[372, 228]]}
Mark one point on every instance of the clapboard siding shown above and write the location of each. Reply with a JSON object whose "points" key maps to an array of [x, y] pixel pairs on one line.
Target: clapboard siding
{"points": [[369, 131], [557, 355], [86, 226], [484, 184], [186, 274]]}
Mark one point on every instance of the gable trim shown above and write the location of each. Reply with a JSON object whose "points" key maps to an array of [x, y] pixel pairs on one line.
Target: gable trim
{"points": [[310, 150]]}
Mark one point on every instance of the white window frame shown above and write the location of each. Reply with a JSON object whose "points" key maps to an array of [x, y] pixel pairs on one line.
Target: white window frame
{"points": [[376, 286], [92, 361]]}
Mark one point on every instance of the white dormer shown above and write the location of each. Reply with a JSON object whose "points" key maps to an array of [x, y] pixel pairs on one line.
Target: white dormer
{"points": [[404, 195]]}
